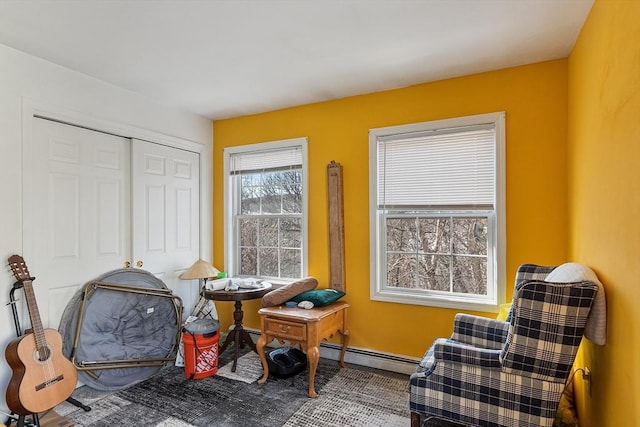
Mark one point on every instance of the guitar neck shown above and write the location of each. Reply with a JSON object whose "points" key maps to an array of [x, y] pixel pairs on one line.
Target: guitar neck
{"points": [[34, 314]]}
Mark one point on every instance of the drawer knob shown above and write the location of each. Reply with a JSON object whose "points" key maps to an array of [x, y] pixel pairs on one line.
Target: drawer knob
{"points": [[285, 328]]}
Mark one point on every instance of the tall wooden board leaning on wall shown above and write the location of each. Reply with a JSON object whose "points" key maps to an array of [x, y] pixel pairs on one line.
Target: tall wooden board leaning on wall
{"points": [[335, 202]]}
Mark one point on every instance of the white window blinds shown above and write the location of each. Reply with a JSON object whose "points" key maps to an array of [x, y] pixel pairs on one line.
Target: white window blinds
{"points": [[265, 160], [440, 168]]}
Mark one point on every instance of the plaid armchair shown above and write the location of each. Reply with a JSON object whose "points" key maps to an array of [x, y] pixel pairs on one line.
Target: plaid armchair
{"points": [[493, 373]]}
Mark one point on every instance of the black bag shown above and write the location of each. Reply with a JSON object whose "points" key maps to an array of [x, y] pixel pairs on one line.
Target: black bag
{"points": [[285, 362]]}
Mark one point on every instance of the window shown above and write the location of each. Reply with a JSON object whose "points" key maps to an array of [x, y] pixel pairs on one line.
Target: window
{"points": [[437, 212], [266, 200]]}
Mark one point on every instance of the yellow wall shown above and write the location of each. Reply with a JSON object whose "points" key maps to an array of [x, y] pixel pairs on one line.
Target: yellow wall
{"points": [[573, 189], [604, 199], [535, 100]]}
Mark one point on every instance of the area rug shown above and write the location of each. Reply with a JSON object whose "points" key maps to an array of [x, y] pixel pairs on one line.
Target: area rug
{"points": [[352, 396], [248, 369], [356, 398]]}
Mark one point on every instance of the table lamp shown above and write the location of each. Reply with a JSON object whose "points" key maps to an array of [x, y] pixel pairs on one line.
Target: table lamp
{"points": [[201, 270]]}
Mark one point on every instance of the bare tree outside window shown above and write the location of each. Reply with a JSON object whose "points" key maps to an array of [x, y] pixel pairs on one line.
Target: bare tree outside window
{"points": [[270, 224], [447, 253]]}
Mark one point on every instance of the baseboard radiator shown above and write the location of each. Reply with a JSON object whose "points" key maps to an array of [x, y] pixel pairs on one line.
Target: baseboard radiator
{"points": [[373, 359]]}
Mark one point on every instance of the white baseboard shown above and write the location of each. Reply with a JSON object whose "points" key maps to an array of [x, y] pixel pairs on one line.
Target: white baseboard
{"points": [[363, 357]]}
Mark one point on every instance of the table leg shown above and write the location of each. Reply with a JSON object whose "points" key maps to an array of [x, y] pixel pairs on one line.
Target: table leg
{"points": [[228, 340], [238, 335], [245, 338], [313, 354], [345, 343], [262, 341]]}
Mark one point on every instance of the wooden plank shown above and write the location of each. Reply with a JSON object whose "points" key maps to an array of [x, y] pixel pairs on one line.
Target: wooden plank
{"points": [[53, 419], [337, 272]]}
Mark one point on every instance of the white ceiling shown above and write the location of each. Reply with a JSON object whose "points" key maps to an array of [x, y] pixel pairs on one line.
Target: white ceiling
{"points": [[227, 58]]}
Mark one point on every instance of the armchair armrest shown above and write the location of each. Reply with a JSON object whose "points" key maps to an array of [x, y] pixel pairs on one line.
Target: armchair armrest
{"points": [[466, 354], [479, 331]]}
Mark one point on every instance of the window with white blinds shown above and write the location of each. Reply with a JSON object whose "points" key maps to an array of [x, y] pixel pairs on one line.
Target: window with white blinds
{"points": [[439, 168], [266, 210], [265, 160], [437, 212]]}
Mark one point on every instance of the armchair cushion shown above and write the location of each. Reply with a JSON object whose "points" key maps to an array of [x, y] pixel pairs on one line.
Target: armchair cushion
{"points": [[427, 361], [532, 272], [479, 331], [525, 273], [546, 330], [447, 350]]}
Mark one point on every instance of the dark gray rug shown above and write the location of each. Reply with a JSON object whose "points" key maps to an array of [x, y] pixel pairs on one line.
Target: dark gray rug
{"points": [[351, 396]]}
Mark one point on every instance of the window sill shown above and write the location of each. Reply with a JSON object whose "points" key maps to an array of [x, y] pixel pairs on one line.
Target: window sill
{"points": [[410, 296]]}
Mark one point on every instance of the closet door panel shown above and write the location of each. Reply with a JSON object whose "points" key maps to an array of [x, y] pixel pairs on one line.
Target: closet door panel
{"points": [[109, 217], [154, 211], [166, 214], [76, 210]]}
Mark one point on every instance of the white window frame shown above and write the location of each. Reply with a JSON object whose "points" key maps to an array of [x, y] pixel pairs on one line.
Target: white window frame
{"points": [[232, 253], [496, 239]]}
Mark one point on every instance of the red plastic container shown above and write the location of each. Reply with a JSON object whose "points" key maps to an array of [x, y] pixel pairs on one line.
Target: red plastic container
{"points": [[200, 352]]}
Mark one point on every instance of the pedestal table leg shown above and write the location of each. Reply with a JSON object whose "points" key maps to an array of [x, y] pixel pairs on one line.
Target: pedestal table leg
{"points": [[236, 335]]}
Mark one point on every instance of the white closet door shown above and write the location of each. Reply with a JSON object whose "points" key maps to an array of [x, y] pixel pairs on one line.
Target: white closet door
{"points": [[76, 194], [166, 214]]}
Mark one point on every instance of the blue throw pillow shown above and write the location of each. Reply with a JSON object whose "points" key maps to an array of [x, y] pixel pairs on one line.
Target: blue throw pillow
{"points": [[319, 297]]}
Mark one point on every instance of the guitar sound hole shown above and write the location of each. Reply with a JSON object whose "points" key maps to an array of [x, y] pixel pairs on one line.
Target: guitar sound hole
{"points": [[43, 354]]}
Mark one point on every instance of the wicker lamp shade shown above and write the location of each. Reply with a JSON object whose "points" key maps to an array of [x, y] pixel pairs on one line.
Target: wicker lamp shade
{"points": [[200, 269]]}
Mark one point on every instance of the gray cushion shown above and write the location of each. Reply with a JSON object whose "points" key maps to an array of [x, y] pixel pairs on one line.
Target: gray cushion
{"points": [[287, 292]]}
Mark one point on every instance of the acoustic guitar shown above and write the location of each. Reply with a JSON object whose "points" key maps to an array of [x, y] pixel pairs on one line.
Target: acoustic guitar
{"points": [[42, 376]]}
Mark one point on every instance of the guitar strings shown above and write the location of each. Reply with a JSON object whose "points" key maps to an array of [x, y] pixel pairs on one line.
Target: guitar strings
{"points": [[44, 358]]}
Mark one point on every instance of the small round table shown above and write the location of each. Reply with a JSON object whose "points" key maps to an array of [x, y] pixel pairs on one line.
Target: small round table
{"points": [[238, 334]]}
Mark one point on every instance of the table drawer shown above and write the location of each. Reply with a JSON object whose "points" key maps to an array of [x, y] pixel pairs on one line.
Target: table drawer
{"points": [[284, 329]]}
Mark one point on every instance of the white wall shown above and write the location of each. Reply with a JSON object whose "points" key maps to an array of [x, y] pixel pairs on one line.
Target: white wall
{"points": [[27, 80]]}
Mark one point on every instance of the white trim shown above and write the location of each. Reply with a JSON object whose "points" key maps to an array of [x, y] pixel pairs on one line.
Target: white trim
{"points": [[371, 358], [405, 296], [359, 356], [501, 208], [61, 114], [438, 124], [229, 232]]}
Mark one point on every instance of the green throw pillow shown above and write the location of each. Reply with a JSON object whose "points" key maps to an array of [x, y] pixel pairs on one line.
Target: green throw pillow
{"points": [[319, 297]]}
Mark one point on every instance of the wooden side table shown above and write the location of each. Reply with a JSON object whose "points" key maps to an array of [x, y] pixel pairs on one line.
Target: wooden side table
{"points": [[306, 327], [238, 334]]}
